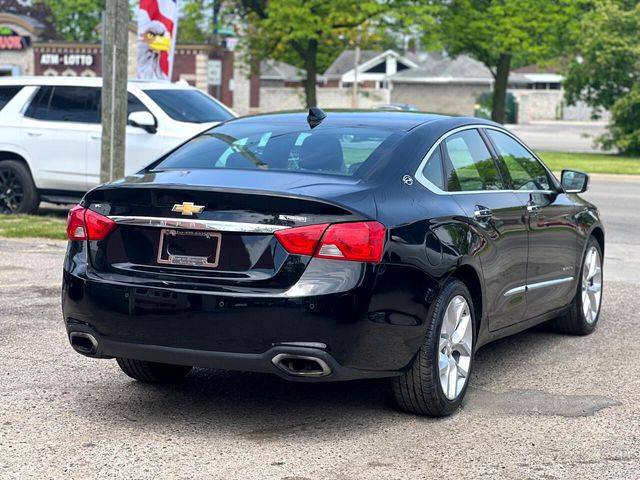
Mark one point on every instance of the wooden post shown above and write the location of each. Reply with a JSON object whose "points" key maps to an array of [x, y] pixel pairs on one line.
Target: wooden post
{"points": [[114, 90]]}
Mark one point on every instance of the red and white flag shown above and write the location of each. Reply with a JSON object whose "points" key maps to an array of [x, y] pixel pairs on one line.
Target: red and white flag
{"points": [[157, 28]]}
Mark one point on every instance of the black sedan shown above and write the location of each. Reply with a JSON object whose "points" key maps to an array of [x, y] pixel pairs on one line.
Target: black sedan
{"points": [[332, 246]]}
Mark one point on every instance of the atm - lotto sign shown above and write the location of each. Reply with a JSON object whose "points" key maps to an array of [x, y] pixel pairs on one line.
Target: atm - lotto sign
{"points": [[10, 40]]}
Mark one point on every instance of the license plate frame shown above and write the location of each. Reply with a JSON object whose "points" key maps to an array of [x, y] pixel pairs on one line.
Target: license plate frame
{"points": [[167, 258]]}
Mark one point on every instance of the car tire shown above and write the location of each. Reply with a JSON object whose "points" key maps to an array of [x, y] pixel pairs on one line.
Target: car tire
{"points": [[18, 193], [152, 372], [421, 389], [582, 316]]}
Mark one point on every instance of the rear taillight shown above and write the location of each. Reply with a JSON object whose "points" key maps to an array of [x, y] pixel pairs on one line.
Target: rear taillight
{"points": [[301, 240], [75, 224], [357, 241], [85, 224]]}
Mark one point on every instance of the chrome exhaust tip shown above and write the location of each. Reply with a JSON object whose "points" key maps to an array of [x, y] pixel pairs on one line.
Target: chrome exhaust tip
{"points": [[301, 365], [83, 343]]}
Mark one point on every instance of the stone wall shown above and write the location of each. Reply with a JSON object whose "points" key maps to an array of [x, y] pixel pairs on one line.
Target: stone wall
{"points": [[454, 99], [538, 105], [292, 98]]}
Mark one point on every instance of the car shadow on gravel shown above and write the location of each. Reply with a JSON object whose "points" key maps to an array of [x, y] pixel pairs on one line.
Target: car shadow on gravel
{"points": [[262, 407]]}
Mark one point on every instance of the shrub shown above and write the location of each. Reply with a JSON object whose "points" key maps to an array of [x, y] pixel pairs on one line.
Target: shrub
{"points": [[624, 127]]}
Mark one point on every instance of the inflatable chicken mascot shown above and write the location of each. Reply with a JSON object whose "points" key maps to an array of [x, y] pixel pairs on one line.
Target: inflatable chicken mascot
{"points": [[157, 21]]}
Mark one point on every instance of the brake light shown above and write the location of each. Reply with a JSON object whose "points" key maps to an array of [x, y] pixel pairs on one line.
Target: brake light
{"points": [[357, 241], [301, 240], [75, 224], [85, 224]]}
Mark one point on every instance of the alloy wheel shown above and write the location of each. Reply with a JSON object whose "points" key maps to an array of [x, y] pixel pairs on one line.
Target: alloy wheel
{"points": [[591, 285], [11, 191], [456, 343]]}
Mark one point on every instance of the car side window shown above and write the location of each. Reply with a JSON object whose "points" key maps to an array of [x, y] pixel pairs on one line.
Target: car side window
{"points": [[7, 93], [526, 172], [432, 170], [66, 104], [134, 104], [469, 165]]}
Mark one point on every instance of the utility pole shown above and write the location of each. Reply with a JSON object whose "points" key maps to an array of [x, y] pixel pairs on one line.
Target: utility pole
{"points": [[114, 89], [356, 63]]}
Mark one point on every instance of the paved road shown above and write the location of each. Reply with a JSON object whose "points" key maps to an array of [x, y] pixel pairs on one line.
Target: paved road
{"points": [[618, 198], [541, 406], [560, 136]]}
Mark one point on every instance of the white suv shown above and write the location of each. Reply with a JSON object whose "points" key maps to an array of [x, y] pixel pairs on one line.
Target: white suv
{"points": [[50, 133]]}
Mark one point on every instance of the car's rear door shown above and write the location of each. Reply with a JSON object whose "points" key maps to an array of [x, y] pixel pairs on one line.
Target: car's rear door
{"points": [[553, 238], [56, 125], [496, 216], [141, 146]]}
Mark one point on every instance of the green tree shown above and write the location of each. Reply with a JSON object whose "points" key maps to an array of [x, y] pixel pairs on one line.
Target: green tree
{"points": [[76, 20], [314, 31], [605, 73], [624, 131], [607, 64], [504, 34]]}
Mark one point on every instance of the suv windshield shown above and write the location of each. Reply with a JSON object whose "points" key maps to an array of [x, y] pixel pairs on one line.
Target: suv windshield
{"points": [[333, 150], [190, 106]]}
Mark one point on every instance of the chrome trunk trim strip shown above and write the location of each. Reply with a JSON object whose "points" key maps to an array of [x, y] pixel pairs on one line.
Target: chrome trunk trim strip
{"points": [[212, 225]]}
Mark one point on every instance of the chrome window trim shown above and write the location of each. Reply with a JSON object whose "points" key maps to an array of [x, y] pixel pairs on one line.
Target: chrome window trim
{"points": [[438, 191], [211, 225], [535, 286]]}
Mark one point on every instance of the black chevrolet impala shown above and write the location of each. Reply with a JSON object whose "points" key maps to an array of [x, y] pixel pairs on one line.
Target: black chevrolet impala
{"points": [[332, 246]]}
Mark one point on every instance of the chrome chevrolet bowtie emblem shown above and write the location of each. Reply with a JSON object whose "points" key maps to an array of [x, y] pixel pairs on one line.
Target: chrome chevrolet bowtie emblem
{"points": [[187, 208]]}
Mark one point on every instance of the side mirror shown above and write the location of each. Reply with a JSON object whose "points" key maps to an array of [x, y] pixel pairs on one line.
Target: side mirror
{"points": [[574, 181], [143, 120]]}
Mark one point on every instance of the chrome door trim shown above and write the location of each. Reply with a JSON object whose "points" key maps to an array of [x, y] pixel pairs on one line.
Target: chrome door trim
{"points": [[535, 286], [515, 291], [213, 225], [438, 191]]}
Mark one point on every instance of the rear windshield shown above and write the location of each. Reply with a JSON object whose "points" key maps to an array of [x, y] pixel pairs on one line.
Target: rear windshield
{"points": [[7, 93], [190, 106], [333, 150]]}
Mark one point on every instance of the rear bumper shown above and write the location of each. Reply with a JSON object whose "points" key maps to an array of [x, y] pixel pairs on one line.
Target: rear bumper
{"points": [[265, 362], [372, 327]]}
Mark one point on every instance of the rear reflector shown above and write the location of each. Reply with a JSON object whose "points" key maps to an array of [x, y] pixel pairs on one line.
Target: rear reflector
{"points": [[85, 224], [357, 241]]}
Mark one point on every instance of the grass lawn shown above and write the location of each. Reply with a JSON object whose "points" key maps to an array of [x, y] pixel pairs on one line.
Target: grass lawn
{"points": [[30, 226], [591, 162]]}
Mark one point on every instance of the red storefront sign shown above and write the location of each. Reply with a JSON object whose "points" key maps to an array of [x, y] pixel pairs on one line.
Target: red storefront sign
{"points": [[10, 40]]}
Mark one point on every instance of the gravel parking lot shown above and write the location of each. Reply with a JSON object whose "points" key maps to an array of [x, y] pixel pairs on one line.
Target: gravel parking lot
{"points": [[541, 405]]}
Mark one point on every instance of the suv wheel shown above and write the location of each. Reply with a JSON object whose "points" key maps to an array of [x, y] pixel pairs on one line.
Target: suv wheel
{"points": [[437, 379], [151, 372], [584, 311], [18, 194]]}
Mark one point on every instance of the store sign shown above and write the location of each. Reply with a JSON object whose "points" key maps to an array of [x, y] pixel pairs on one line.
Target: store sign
{"points": [[67, 59], [10, 40]]}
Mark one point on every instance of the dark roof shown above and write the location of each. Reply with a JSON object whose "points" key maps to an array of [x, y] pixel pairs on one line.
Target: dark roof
{"points": [[346, 60], [462, 67], [558, 66], [33, 21], [276, 70], [395, 120]]}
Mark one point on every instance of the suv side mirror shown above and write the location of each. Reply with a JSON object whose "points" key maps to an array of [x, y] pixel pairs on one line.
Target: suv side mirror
{"points": [[143, 120], [574, 181]]}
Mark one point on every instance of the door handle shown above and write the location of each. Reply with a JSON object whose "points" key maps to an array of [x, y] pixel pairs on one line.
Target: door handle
{"points": [[95, 136], [533, 208], [33, 134], [482, 213]]}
